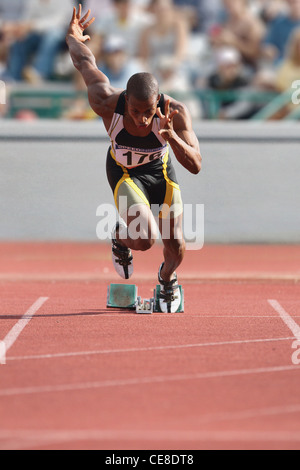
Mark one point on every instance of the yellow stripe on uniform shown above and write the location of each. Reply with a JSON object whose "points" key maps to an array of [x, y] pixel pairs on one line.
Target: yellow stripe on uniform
{"points": [[170, 186], [166, 158], [126, 178]]}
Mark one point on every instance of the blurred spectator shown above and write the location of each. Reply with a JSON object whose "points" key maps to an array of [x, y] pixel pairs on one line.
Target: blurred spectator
{"points": [[170, 79], [228, 76], [125, 20], [3, 98], [279, 32], [176, 82], [229, 71], [40, 35], [191, 11], [115, 64], [167, 37], [241, 29], [268, 10], [98, 7], [10, 17], [210, 13], [289, 71], [200, 14]]}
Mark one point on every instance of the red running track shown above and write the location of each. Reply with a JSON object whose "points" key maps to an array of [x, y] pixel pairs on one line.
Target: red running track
{"points": [[221, 375]]}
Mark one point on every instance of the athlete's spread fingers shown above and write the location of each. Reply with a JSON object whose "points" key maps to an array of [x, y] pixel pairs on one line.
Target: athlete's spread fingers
{"points": [[85, 17], [74, 15], [88, 23], [173, 113], [79, 11], [159, 113], [167, 107]]}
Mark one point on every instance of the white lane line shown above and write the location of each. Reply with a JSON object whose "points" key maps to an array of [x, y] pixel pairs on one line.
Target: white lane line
{"points": [[182, 316], [15, 332], [287, 319], [150, 348], [142, 381]]}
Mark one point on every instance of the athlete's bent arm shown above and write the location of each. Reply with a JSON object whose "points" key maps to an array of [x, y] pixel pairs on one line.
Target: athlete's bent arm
{"points": [[176, 128], [98, 85]]}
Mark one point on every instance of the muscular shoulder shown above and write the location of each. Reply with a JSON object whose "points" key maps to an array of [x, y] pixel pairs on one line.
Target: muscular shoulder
{"points": [[103, 99], [176, 105], [182, 120]]}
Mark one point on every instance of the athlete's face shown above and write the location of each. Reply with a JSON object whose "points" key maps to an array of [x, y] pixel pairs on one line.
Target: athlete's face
{"points": [[142, 112]]}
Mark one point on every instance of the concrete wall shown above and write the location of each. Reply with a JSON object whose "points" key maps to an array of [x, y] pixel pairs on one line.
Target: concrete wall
{"points": [[52, 179]]}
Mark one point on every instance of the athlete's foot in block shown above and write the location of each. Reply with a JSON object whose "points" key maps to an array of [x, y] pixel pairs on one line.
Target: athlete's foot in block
{"points": [[121, 255], [170, 295]]}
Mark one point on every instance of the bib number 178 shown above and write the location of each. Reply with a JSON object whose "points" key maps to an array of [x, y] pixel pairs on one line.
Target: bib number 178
{"points": [[143, 157]]}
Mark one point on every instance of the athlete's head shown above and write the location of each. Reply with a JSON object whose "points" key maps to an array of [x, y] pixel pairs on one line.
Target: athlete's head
{"points": [[142, 96]]}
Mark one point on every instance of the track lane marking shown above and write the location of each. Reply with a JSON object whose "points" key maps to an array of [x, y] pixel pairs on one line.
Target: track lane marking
{"points": [[151, 348], [142, 381], [287, 319], [17, 329]]}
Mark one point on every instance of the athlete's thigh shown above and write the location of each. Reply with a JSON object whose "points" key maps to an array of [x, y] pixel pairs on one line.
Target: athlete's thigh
{"points": [[134, 208], [140, 222]]}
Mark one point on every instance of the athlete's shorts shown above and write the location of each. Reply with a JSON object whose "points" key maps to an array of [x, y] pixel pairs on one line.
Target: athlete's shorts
{"points": [[153, 184]]}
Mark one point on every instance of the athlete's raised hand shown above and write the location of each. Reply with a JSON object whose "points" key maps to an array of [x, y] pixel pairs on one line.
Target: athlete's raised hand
{"points": [[78, 24], [166, 121]]}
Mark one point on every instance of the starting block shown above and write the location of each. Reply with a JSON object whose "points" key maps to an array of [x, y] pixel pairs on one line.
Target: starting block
{"points": [[125, 296], [122, 296]]}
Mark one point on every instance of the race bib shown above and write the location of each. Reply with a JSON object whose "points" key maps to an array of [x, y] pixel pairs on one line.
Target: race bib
{"points": [[132, 157]]}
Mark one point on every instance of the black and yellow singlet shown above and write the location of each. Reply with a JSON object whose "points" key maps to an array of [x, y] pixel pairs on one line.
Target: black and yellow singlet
{"points": [[140, 168]]}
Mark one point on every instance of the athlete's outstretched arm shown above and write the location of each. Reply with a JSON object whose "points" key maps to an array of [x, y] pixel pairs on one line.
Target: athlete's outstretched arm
{"points": [[98, 84], [176, 128]]}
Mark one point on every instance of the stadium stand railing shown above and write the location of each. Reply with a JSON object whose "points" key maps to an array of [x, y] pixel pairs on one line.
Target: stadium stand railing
{"points": [[52, 103]]}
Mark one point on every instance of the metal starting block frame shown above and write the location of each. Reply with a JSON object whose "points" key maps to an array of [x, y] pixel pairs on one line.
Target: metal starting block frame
{"points": [[145, 306], [125, 296]]}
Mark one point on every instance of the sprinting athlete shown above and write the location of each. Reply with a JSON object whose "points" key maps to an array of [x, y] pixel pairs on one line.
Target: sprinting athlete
{"points": [[142, 125]]}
